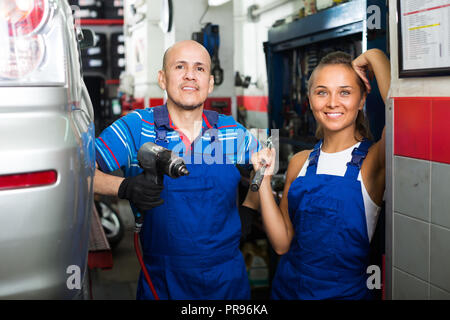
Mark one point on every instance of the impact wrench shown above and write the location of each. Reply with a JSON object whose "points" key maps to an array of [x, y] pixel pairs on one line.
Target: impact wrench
{"points": [[155, 161]]}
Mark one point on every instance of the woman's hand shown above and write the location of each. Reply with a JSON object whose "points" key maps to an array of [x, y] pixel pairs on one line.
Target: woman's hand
{"points": [[364, 69], [264, 158], [374, 63]]}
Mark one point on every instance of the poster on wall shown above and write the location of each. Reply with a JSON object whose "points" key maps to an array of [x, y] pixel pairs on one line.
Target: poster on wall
{"points": [[424, 37]]}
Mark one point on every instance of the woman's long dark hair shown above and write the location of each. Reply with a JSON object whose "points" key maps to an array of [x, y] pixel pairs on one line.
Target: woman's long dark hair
{"points": [[342, 58]]}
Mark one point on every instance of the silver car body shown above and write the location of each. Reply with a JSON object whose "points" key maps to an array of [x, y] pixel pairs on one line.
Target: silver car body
{"points": [[45, 125]]}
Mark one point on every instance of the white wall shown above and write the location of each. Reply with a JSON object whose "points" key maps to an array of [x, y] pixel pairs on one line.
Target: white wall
{"points": [[147, 39], [145, 45], [414, 272], [414, 87], [187, 16], [250, 36]]}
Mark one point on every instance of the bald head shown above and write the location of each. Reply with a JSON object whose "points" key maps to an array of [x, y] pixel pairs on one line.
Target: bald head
{"points": [[187, 45]]}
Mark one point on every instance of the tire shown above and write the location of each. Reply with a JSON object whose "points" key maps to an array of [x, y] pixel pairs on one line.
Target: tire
{"points": [[99, 49], [118, 61], [116, 13], [111, 222], [117, 38], [94, 64], [113, 4], [118, 49], [100, 39], [117, 66], [116, 72], [91, 12]]}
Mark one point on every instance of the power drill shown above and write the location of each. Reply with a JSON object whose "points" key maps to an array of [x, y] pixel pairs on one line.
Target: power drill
{"points": [[157, 161]]}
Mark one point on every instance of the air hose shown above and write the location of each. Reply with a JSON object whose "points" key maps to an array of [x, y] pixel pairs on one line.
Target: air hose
{"points": [[137, 248]]}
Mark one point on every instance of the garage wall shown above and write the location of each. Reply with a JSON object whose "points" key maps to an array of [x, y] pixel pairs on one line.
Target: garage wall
{"points": [[241, 50], [146, 44], [221, 15], [249, 55], [418, 184]]}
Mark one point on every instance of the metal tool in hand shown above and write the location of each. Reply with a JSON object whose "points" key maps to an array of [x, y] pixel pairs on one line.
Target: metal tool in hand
{"points": [[157, 161], [259, 175]]}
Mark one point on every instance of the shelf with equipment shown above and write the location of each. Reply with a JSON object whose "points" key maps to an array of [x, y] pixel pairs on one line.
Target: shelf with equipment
{"points": [[102, 66], [105, 18], [111, 47], [294, 49], [335, 22]]}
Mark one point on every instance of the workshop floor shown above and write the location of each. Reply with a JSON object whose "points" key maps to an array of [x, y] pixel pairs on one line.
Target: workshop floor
{"points": [[119, 283]]}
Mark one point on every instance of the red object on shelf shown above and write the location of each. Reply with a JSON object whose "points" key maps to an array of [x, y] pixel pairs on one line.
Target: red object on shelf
{"points": [[154, 102], [130, 105], [101, 22], [112, 81], [253, 103], [220, 104]]}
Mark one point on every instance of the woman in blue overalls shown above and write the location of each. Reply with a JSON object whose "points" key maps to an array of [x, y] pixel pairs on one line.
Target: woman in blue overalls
{"points": [[320, 227]]}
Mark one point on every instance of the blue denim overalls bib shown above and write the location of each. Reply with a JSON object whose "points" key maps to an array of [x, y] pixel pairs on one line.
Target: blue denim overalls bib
{"points": [[191, 242]]}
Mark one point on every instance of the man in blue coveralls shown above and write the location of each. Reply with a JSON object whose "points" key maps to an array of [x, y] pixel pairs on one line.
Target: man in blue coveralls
{"points": [[192, 229]]}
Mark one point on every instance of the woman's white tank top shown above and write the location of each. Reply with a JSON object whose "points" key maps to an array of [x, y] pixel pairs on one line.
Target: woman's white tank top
{"points": [[336, 164]]}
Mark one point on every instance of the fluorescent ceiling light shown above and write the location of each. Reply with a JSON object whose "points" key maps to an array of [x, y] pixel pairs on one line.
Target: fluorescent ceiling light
{"points": [[214, 3]]}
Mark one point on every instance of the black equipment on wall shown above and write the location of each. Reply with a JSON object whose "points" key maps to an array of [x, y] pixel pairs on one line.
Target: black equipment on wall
{"points": [[210, 39], [88, 9]]}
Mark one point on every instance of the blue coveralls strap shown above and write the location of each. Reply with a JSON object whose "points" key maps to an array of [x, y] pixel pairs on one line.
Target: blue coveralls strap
{"points": [[329, 253], [191, 242]]}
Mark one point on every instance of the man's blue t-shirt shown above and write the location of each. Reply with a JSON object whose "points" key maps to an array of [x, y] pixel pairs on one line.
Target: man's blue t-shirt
{"points": [[118, 145]]}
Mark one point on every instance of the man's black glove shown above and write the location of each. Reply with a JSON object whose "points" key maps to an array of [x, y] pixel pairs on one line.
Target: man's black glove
{"points": [[141, 192]]}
